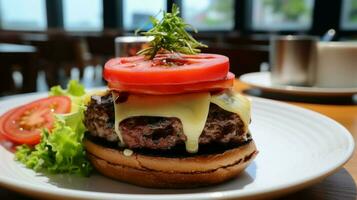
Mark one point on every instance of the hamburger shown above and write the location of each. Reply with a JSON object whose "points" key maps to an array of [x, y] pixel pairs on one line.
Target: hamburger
{"points": [[171, 117]]}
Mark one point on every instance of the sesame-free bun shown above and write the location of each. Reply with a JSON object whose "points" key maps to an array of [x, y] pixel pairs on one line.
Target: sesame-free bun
{"points": [[168, 172]]}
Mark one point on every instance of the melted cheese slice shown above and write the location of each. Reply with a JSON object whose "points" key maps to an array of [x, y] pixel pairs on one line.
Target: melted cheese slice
{"points": [[191, 109], [236, 103]]}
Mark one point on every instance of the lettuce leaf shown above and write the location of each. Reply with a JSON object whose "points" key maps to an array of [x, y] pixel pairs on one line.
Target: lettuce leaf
{"points": [[61, 150], [74, 88]]}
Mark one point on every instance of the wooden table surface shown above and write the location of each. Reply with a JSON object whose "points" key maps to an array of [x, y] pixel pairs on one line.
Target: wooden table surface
{"points": [[341, 185]]}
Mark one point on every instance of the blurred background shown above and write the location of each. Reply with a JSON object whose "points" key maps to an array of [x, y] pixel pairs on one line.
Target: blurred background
{"points": [[48, 42]]}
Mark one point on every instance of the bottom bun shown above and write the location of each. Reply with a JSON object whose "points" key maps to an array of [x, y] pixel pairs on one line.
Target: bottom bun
{"points": [[167, 172]]}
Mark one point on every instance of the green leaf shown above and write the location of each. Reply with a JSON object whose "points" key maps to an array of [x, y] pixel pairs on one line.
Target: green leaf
{"points": [[74, 88]]}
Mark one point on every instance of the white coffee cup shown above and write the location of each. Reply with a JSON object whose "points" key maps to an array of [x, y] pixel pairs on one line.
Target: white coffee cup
{"points": [[336, 65], [292, 60]]}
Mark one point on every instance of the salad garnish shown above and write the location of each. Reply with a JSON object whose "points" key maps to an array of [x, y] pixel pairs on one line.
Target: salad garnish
{"points": [[61, 150]]}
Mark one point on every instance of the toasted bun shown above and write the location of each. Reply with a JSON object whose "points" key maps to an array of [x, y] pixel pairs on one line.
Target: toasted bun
{"points": [[165, 172]]}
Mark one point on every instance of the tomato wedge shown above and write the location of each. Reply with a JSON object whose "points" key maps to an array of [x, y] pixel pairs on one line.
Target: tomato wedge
{"points": [[175, 89], [22, 125], [166, 69]]}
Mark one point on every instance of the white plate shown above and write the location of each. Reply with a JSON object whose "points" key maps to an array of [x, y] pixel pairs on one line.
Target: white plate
{"points": [[297, 148], [263, 81]]}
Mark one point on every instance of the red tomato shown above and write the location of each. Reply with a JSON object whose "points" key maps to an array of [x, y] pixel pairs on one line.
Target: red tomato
{"points": [[22, 125], [166, 69], [2, 138], [175, 89], [9, 145]]}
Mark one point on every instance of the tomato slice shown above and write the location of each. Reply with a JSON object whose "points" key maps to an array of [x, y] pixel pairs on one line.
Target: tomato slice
{"points": [[175, 89], [22, 125], [166, 69], [9, 145]]}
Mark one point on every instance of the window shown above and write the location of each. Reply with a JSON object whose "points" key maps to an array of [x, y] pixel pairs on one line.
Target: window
{"points": [[209, 14], [349, 15], [136, 13], [83, 15], [282, 14], [17, 15]]}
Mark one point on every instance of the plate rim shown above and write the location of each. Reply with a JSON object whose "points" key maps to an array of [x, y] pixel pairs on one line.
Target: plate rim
{"points": [[245, 78], [73, 193]]}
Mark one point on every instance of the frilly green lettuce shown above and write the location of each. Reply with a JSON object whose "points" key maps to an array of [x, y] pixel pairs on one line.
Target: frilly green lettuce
{"points": [[73, 89]]}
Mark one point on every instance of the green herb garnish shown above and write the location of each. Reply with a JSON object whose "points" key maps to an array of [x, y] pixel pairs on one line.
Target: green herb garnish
{"points": [[170, 35]]}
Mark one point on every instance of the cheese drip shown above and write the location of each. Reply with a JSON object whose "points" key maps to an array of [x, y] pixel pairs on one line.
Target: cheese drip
{"points": [[236, 103], [191, 109]]}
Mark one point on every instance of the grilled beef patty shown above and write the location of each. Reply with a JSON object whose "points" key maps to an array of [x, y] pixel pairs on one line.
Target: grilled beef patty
{"points": [[222, 127]]}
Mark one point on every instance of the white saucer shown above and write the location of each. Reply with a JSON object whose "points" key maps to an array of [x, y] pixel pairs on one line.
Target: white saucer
{"points": [[262, 80]]}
